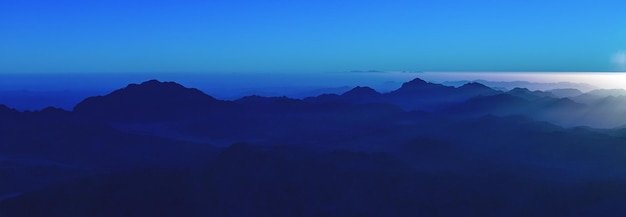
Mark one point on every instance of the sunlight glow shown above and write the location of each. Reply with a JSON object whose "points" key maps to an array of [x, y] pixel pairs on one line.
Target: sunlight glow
{"points": [[601, 80]]}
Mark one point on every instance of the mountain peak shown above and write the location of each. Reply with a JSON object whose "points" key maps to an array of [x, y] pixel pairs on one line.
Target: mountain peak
{"points": [[473, 85], [361, 91], [415, 82], [6, 110], [148, 100], [153, 81], [476, 89], [419, 85], [158, 86], [528, 94], [520, 89]]}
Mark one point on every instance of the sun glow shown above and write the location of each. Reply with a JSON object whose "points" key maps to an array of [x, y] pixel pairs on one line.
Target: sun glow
{"points": [[600, 80]]}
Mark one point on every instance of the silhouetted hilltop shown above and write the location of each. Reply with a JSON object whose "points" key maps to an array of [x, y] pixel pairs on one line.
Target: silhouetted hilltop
{"points": [[529, 95], [361, 92], [416, 94], [419, 86], [324, 98], [476, 87], [150, 100], [361, 95], [5, 110]]}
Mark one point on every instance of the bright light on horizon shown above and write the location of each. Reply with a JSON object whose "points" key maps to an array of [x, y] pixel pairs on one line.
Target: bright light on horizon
{"points": [[601, 80]]}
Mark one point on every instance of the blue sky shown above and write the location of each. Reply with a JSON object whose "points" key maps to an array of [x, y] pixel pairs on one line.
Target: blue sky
{"points": [[116, 36]]}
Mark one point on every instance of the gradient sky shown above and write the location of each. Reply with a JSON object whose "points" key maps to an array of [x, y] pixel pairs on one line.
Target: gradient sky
{"points": [[311, 36]]}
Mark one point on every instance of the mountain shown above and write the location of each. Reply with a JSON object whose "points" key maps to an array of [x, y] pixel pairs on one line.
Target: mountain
{"points": [[474, 89], [5, 111], [529, 95], [565, 92], [357, 95], [421, 95], [594, 96], [417, 87], [50, 146], [508, 85], [161, 149], [361, 92], [150, 100], [608, 92], [361, 95]]}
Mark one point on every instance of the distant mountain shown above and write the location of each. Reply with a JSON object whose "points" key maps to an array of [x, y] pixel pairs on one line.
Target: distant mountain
{"points": [[5, 111], [37, 100], [416, 94], [157, 101], [361, 94], [565, 92], [150, 100], [592, 97], [420, 87], [358, 94], [530, 95], [508, 85], [475, 89], [608, 92], [421, 95], [501, 104]]}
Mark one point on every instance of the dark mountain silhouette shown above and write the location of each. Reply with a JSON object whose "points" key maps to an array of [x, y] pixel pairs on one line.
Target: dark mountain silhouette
{"points": [[6, 112], [530, 95], [501, 104], [421, 95], [424, 149], [475, 88], [150, 100], [324, 98], [355, 95], [416, 94], [509, 85], [418, 85], [53, 145], [285, 181], [361, 94], [534, 104]]}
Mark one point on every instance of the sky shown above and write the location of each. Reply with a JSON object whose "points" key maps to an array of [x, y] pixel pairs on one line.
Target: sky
{"points": [[234, 36]]}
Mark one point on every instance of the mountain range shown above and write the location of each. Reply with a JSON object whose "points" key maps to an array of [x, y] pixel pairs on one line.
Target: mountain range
{"points": [[425, 149]]}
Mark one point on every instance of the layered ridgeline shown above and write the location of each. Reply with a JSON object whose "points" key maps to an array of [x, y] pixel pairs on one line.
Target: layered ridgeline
{"points": [[425, 149], [154, 100]]}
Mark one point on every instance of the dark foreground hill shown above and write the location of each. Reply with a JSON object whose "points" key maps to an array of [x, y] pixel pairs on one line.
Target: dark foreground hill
{"points": [[282, 181]]}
